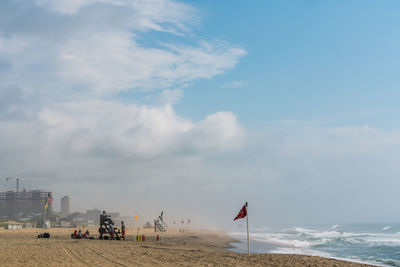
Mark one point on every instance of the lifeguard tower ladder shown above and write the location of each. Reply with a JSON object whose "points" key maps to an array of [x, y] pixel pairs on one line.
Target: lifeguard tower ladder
{"points": [[159, 224], [104, 229]]}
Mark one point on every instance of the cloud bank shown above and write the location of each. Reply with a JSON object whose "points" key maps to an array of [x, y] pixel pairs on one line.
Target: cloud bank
{"points": [[87, 49], [63, 67]]}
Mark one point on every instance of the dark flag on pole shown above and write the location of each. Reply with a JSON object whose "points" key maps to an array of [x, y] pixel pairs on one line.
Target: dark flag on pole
{"points": [[242, 213]]}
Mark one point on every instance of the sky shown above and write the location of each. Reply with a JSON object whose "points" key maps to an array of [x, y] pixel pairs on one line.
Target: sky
{"points": [[195, 107]]}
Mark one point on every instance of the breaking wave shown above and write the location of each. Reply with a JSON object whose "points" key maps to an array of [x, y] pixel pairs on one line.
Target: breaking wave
{"points": [[376, 244]]}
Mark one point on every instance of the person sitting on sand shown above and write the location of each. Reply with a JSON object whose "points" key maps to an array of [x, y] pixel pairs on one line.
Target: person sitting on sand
{"points": [[111, 229], [75, 234], [86, 235], [123, 229], [79, 234]]}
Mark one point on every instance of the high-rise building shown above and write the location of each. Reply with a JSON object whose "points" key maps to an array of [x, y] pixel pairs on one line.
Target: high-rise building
{"points": [[64, 206], [15, 204]]}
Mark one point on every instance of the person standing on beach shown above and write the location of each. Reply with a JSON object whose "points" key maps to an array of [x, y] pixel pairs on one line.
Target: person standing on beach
{"points": [[123, 229], [103, 216], [111, 229]]}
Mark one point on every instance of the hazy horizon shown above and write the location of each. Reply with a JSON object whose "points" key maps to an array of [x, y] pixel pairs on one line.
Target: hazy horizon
{"points": [[193, 108]]}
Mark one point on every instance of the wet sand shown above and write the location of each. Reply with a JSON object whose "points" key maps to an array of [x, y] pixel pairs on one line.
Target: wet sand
{"points": [[195, 248]]}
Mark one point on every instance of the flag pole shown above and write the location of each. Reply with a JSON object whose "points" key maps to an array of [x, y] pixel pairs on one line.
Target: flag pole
{"points": [[44, 220], [44, 215], [248, 239]]}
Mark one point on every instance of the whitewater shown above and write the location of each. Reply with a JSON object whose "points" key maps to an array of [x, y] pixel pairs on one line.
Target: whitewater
{"points": [[377, 244]]}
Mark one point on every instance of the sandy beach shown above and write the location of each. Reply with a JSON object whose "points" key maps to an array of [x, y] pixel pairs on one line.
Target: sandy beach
{"points": [[195, 248]]}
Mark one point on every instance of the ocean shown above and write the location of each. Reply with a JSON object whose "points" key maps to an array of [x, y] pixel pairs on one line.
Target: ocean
{"points": [[377, 244]]}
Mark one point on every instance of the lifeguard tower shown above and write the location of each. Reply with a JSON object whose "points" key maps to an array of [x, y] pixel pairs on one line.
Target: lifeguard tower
{"points": [[105, 225], [159, 224]]}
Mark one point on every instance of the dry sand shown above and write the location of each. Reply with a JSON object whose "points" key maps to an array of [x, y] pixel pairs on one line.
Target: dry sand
{"points": [[196, 248]]}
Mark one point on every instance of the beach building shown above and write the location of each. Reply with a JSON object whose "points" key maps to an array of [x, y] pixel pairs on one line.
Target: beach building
{"points": [[11, 225], [15, 204], [77, 218], [65, 223], [65, 206], [93, 216]]}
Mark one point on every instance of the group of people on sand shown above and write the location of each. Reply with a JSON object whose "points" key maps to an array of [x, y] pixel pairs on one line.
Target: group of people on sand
{"points": [[79, 235], [106, 226]]}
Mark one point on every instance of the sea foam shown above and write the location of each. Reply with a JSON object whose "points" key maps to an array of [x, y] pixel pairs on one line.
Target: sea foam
{"points": [[376, 244]]}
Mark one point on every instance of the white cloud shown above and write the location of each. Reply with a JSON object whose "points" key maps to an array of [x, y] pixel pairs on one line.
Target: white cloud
{"points": [[136, 131], [89, 140], [217, 130], [93, 49], [159, 15], [165, 15], [113, 62]]}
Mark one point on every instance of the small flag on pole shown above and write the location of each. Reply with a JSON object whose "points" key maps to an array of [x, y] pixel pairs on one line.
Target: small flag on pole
{"points": [[136, 218], [46, 206], [242, 213], [48, 201]]}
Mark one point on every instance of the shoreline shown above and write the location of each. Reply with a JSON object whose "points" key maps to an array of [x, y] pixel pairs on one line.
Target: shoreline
{"points": [[240, 246], [194, 248]]}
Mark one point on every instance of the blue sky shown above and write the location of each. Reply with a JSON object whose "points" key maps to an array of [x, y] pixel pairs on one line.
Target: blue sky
{"points": [[329, 62], [289, 105]]}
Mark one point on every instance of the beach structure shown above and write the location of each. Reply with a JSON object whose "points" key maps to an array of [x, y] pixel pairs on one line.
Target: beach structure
{"points": [[159, 224], [14, 204], [90, 218], [76, 218], [93, 216], [11, 225], [107, 229]]}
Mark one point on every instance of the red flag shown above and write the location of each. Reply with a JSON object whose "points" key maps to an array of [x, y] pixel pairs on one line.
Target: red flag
{"points": [[242, 213], [49, 199]]}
